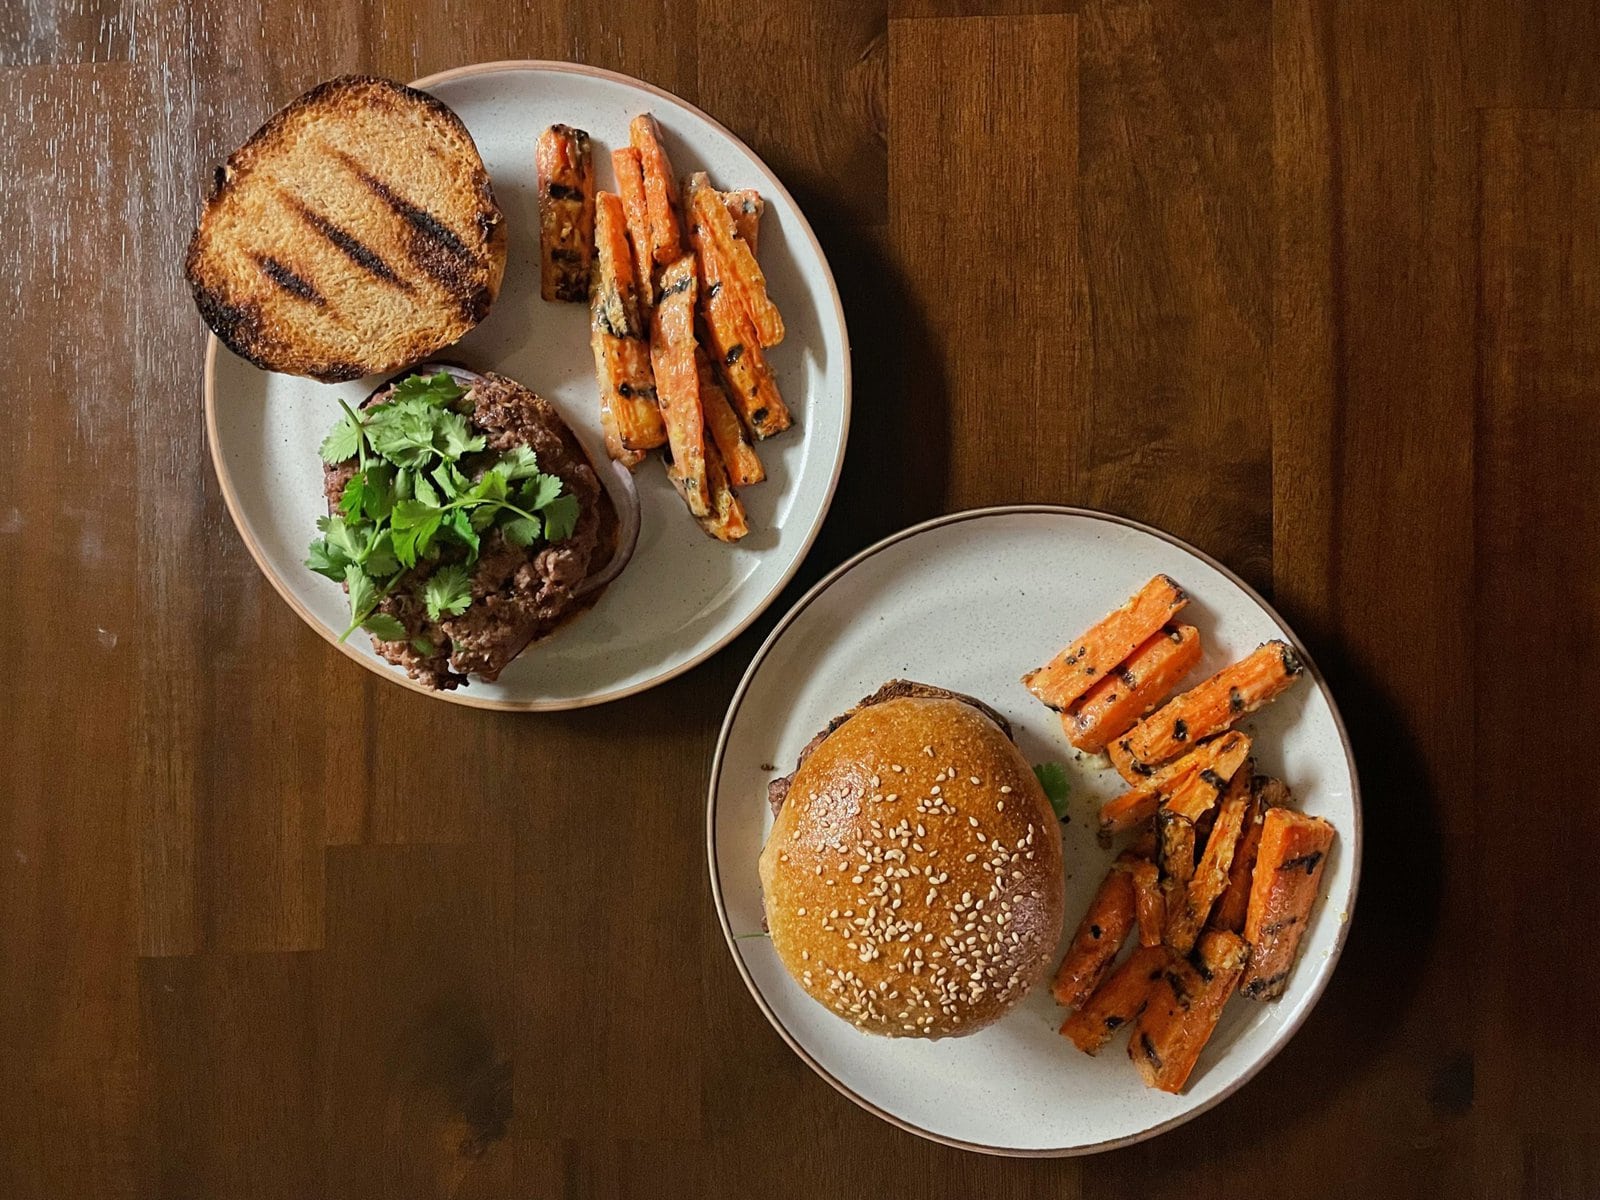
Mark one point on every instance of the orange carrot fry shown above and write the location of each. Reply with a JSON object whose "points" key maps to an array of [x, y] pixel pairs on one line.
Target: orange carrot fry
{"points": [[1183, 1010], [1112, 705], [672, 357], [1117, 1001], [746, 207], [1099, 936], [733, 443], [1229, 913], [1287, 877], [726, 521], [565, 169], [1084, 663], [1221, 756], [1211, 873], [1149, 905], [710, 222], [618, 335], [630, 186], [660, 189], [751, 388], [1175, 836], [1207, 709]]}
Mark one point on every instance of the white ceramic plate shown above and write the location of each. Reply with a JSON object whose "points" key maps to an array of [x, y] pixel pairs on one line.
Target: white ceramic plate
{"points": [[683, 596], [970, 602]]}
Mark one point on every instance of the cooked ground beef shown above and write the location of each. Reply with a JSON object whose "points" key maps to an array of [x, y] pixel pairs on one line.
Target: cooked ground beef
{"points": [[518, 594]]}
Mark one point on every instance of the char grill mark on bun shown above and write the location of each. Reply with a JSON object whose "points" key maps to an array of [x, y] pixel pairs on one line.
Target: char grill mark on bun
{"points": [[912, 879]]}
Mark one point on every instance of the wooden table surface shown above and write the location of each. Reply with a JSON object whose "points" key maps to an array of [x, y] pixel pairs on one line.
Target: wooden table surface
{"points": [[1312, 283]]}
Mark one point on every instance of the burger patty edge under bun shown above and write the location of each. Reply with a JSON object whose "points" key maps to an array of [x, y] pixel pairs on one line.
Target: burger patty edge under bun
{"points": [[912, 878]]}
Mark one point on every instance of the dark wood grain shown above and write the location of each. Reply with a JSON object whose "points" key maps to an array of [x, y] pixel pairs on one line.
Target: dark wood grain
{"points": [[1310, 282]]}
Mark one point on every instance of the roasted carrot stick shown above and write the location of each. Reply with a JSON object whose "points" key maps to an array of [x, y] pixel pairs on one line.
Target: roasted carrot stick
{"points": [[726, 521], [565, 168], [1084, 663], [618, 335], [1207, 709], [630, 186], [1221, 756], [1149, 905], [672, 355], [1099, 936], [746, 207], [1112, 705], [733, 443], [709, 219], [1117, 1001], [1230, 910], [1183, 1010], [1175, 858], [660, 189], [1211, 873], [751, 388], [1284, 886]]}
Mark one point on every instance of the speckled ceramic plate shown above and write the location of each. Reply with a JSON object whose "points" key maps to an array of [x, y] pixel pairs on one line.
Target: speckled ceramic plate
{"points": [[683, 596], [971, 601]]}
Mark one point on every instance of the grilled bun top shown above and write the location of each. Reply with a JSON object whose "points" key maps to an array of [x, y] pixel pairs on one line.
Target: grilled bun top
{"points": [[912, 878], [353, 234]]}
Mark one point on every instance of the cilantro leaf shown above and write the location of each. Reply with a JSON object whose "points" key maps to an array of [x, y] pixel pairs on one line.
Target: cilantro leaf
{"points": [[541, 490], [519, 462], [450, 479], [491, 486], [327, 560], [451, 429], [560, 518], [363, 592], [522, 531], [448, 591], [342, 443], [384, 627], [423, 646], [379, 559], [1053, 778], [341, 537], [438, 389], [424, 491], [461, 527]]}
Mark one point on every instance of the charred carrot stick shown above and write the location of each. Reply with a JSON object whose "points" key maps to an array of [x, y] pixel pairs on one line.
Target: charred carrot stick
{"points": [[746, 207], [1284, 886], [672, 358], [660, 189], [726, 521], [1229, 913], [630, 186], [1149, 905], [726, 430], [1208, 708], [1084, 663], [1117, 1001], [618, 335], [710, 222], [1221, 756], [1175, 858], [565, 168], [1211, 873], [751, 388], [1183, 1010], [1112, 705], [1099, 936]]}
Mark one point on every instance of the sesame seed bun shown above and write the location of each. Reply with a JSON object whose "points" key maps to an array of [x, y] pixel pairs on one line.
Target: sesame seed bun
{"points": [[912, 878]]}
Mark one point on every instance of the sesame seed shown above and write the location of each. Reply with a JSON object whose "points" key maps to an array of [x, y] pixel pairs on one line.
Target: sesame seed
{"points": [[973, 821], [999, 806], [974, 780], [1005, 789], [928, 750], [934, 791], [876, 782], [896, 768], [800, 911]]}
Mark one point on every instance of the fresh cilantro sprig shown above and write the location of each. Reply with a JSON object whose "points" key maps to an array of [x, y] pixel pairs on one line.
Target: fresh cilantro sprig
{"points": [[410, 498], [1053, 779]]}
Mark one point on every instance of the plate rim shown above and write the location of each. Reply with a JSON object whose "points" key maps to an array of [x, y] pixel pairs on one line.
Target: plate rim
{"points": [[462, 696], [1284, 1033]]}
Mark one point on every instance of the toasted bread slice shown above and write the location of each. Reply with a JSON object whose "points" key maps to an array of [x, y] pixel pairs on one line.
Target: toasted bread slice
{"points": [[355, 233]]}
